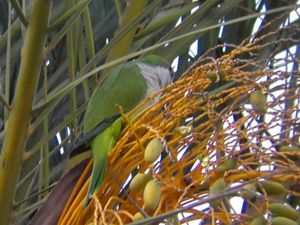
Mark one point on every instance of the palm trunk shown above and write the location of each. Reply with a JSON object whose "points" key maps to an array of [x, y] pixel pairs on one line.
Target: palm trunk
{"points": [[20, 114]]}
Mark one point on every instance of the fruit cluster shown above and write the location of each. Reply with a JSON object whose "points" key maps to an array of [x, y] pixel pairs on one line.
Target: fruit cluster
{"points": [[152, 190]]}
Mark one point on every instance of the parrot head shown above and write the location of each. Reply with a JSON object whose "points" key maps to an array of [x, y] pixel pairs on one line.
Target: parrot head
{"points": [[153, 60], [156, 71]]}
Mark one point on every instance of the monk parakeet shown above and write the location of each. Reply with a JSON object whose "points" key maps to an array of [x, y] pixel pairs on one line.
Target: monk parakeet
{"points": [[126, 86]]}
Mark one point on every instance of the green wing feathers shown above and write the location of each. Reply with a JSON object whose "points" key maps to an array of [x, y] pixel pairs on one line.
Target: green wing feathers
{"points": [[124, 86]]}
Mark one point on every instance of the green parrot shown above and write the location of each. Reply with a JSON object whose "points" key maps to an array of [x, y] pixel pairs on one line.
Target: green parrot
{"points": [[126, 86]]}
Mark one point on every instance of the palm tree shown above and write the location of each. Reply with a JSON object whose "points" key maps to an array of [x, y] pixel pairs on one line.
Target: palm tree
{"points": [[53, 54]]}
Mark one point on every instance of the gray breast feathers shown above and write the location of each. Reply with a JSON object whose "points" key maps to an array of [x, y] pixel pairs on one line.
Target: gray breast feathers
{"points": [[157, 77]]}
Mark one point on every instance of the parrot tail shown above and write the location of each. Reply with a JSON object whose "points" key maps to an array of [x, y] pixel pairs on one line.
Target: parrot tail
{"points": [[101, 146], [97, 176]]}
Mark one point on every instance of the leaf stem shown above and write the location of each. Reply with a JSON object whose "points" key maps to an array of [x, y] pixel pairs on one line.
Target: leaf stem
{"points": [[19, 12], [17, 124]]}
